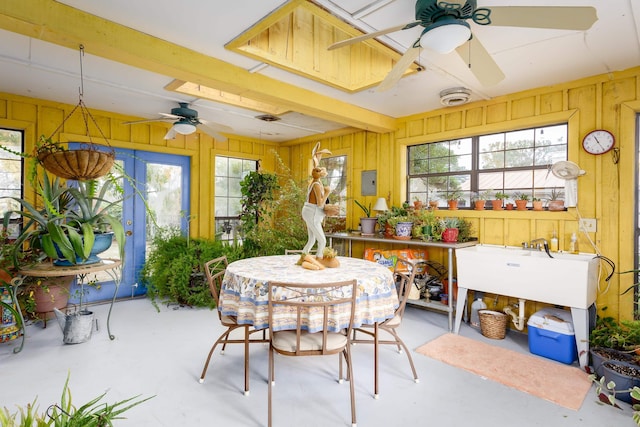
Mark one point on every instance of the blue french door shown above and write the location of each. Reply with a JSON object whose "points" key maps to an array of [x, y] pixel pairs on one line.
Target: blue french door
{"points": [[158, 185]]}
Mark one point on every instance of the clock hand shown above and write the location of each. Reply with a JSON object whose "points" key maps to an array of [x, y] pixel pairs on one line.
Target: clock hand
{"points": [[598, 142]]}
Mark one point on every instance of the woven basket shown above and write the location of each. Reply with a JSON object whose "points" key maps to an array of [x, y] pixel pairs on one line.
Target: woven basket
{"points": [[493, 324], [82, 164], [331, 210]]}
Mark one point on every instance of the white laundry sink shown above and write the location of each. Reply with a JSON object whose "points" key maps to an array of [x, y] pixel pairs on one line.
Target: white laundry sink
{"points": [[569, 280], [566, 279]]}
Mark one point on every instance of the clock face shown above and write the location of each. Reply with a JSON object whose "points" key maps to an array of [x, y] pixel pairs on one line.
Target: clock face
{"points": [[598, 142]]}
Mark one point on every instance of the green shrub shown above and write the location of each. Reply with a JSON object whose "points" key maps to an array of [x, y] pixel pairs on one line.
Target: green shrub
{"points": [[174, 270]]}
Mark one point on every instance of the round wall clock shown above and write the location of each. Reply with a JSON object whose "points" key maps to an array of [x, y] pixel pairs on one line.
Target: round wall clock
{"points": [[598, 141]]}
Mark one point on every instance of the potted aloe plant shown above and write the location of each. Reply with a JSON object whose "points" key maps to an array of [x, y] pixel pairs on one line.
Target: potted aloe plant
{"points": [[69, 224]]}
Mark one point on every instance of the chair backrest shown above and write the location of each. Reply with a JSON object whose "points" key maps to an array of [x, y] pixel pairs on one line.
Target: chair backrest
{"points": [[299, 302], [215, 270], [405, 274]]}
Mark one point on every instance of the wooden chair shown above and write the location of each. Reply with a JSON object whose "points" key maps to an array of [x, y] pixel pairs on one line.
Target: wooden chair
{"points": [[215, 270], [405, 273], [299, 298]]}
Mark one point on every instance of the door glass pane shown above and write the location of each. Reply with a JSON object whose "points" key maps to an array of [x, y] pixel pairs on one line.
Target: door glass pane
{"points": [[164, 194]]}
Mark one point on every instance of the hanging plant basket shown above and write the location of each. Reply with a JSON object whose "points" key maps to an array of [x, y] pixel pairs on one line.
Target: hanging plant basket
{"points": [[82, 164], [86, 163]]}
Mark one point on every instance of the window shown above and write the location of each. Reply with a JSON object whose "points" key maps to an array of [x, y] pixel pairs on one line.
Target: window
{"points": [[11, 168], [336, 179], [506, 162], [228, 201]]}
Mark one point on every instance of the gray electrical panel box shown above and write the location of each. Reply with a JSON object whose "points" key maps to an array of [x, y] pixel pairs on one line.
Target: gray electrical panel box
{"points": [[369, 183]]}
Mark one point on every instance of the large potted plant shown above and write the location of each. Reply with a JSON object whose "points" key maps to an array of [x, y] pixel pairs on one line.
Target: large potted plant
{"points": [[69, 223]]}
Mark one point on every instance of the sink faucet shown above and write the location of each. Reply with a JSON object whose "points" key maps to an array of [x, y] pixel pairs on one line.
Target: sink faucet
{"points": [[535, 244]]}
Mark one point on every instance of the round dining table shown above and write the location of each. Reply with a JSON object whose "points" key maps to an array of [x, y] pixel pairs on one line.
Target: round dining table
{"points": [[244, 290]]}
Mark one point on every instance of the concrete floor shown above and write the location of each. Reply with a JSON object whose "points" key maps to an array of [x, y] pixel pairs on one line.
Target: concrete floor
{"points": [[162, 354]]}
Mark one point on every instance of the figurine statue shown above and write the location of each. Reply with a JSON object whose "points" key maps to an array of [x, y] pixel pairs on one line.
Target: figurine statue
{"points": [[313, 210]]}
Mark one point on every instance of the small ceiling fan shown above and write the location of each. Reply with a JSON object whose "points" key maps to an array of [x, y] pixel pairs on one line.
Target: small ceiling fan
{"points": [[185, 120], [446, 29]]}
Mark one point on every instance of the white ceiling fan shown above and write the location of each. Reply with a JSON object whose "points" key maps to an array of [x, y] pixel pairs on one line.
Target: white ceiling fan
{"points": [[446, 29], [185, 120]]}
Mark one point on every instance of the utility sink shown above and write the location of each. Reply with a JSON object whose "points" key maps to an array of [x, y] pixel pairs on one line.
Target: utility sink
{"points": [[569, 280], [566, 279]]}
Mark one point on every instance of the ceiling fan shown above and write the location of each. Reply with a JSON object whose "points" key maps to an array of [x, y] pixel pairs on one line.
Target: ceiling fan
{"points": [[446, 29], [185, 120]]}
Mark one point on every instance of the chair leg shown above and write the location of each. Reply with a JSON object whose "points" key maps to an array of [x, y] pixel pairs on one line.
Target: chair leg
{"points": [[406, 350], [351, 385], [376, 338], [270, 379], [206, 364]]}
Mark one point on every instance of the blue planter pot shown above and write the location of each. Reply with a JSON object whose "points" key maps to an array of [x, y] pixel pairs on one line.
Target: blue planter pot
{"points": [[102, 242]]}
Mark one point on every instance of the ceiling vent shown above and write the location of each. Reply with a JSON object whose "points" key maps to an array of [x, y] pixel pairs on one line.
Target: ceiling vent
{"points": [[455, 96], [268, 118]]}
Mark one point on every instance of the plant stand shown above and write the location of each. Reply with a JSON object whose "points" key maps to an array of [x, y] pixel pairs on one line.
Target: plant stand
{"points": [[113, 267]]}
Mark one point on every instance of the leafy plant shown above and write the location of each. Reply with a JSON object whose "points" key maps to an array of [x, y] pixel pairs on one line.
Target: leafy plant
{"points": [[501, 196], [556, 194], [365, 209], [452, 195], [521, 196], [174, 271], [91, 414], [279, 224]]}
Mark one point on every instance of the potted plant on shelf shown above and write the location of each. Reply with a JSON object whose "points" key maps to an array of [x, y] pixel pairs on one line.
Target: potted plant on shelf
{"points": [[384, 223], [423, 224], [521, 200], [479, 200], [367, 223], [417, 203], [537, 203], [452, 198], [499, 197], [403, 227], [555, 201], [450, 233]]}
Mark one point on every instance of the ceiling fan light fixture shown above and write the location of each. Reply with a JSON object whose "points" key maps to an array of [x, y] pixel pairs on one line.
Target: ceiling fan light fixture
{"points": [[184, 127], [445, 35]]}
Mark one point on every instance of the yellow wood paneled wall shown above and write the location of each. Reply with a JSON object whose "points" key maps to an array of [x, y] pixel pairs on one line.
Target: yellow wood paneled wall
{"points": [[606, 192], [38, 117]]}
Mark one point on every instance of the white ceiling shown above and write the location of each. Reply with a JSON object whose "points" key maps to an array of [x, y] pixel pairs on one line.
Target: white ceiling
{"points": [[528, 57]]}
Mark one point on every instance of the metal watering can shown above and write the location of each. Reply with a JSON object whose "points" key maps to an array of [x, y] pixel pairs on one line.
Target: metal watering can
{"points": [[76, 327]]}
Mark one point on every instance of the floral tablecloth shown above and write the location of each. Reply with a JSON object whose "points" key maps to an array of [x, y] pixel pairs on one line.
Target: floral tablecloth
{"points": [[244, 290]]}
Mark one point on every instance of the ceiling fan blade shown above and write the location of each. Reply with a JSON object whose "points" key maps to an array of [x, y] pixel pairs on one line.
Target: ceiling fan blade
{"points": [[372, 35], [398, 70], [480, 62], [171, 134], [214, 131], [149, 121], [216, 126], [556, 17], [170, 116]]}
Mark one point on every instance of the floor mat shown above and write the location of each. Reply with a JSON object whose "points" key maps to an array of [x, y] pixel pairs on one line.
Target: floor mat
{"points": [[561, 384]]}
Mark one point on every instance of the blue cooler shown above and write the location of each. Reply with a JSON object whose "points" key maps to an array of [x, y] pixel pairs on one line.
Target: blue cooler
{"points": [[551, 335]]}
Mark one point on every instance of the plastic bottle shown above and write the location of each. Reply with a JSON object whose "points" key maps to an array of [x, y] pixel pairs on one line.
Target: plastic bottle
{"points": [[478, 304], [554, 242], [573, 246]]}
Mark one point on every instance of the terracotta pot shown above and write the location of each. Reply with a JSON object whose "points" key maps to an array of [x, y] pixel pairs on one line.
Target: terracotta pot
{"points": [[480, 205], [418, 205], [537, 205], [389, 230], [453, 205], [433, 204], [509, 206], [521, 205], [52, 292], [496, 205]]}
